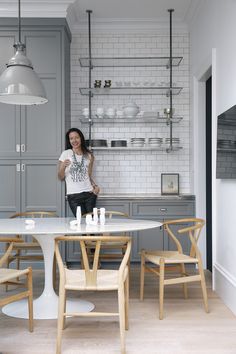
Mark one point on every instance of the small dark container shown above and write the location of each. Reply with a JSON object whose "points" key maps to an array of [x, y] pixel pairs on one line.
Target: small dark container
{"points": [[97, 83], [97, 142], [118, 143], [107, 83]]}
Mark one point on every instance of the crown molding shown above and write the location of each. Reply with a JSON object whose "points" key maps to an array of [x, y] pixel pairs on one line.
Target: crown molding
{"points": [[29, 8], [129, 25]]}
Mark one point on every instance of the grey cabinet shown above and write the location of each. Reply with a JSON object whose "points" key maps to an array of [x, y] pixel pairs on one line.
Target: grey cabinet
{"points": [[29, 185], [32, 137], [158, 209]]}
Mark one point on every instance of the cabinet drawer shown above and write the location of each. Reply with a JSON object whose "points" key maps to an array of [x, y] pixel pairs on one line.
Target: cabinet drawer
{"points": [[184, 208]]}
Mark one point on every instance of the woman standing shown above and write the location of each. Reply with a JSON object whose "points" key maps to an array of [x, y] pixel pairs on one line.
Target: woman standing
{"points": [[75, 166]]}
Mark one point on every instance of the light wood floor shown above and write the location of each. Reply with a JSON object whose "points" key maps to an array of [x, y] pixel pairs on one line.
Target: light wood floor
{"points": [[186, 328]]}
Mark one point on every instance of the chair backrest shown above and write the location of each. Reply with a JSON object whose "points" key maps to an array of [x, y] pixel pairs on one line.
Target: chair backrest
{"points": [[10, 242], [110, 214], [35, 214], [91, 271], [193, 232]]}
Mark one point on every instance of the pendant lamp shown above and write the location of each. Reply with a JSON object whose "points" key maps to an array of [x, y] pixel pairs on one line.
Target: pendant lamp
{"points": [[19, 84]]}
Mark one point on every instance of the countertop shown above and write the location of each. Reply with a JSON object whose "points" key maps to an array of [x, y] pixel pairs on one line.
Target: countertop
{"points": [[147, 196]]}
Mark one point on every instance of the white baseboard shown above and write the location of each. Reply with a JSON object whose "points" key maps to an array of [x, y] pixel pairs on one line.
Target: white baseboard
{"points": [[225, 286]]}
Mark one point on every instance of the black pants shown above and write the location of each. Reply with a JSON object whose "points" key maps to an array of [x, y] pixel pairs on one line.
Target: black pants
{"points": [[86, 200]]}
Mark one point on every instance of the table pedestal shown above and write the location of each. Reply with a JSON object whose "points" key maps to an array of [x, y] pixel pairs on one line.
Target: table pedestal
{"points": [[46, 306]]}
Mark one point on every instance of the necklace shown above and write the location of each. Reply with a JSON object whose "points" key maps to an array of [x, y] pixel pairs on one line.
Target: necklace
{"points": [[78, 169]]}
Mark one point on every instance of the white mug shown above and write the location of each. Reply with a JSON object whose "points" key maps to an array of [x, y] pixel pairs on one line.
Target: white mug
{"points": [[111, 112], [100, 112], [85, 112]]}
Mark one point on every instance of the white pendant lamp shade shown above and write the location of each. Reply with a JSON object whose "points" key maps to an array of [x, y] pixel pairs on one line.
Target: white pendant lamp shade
{"points": [[19, 84]]}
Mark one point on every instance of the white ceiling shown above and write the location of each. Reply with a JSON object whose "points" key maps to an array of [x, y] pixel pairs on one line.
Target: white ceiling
{"points": [[75, 10], [134, 9]]}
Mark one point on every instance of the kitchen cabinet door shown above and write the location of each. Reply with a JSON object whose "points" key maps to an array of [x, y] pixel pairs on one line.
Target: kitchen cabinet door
{"points": [[41, 126], [10, 191], [9, 114], [41, 189]]}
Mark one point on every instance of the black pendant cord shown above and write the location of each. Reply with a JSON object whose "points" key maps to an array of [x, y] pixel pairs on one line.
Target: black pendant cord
{"points": [[90, 76], [171, 83], [19, 22]]}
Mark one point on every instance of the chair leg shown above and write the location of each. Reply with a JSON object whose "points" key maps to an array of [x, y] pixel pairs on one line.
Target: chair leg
{"points": [[7, 264], [203, 285], [183, 272], [127, 303], [121, 305], [54, 272], [161, 288], [64, 317], [30, 299], [142, 274], [60, 320]]}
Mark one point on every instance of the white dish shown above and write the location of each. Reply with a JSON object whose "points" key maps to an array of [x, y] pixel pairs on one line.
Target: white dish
{"points": [[30, 222]]}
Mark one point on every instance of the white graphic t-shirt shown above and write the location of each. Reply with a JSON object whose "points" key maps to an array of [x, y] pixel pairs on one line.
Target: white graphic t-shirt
{"points": [[76, 174]]}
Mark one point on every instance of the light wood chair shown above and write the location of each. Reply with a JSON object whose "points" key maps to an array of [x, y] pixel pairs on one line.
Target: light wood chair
{"points": [[92, 278], [159, 262], [29, 250], [9, 275], [111, 251]]}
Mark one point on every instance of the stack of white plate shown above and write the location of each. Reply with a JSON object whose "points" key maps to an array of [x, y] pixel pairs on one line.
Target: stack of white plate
{"points": [[155, 142], [175, 141], [225, 144], [137, 142]]}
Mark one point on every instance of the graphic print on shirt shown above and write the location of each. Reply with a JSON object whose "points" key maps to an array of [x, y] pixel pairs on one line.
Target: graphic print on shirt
{"points": [[78, 170]]}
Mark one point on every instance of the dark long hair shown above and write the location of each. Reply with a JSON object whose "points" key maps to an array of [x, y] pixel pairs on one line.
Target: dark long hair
{"points": [[84, 148]]}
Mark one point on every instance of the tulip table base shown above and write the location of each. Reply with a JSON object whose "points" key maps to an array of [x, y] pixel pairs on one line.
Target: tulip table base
{"points": [[46, 307]]}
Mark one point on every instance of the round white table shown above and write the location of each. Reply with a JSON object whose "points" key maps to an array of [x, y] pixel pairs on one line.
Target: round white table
{"points": [[45, 230]]}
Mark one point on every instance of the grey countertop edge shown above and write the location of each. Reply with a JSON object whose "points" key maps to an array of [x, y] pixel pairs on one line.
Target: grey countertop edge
{"points": [[147, 196]]}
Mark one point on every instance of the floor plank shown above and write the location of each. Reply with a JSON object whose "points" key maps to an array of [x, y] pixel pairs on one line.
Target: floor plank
{"points": [[185, 329]]}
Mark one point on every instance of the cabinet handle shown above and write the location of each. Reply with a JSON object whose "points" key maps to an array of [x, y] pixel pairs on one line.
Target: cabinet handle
{"points": [[17, 147], [22, 167], [163, 209], [18, 167], [22, 147]]}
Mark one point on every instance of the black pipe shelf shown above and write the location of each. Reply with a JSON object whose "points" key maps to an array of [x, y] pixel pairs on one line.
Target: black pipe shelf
{"points": [[117, 120], [130, 61], [165, 91], [161, 148]]}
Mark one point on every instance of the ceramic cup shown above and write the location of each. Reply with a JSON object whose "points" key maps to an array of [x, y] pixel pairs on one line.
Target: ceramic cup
{"points": [[85, 112], [100, 112], [111, 112]]}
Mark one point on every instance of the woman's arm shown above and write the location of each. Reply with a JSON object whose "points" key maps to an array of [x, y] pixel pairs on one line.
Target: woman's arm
{"points": [[61, 168], [96, 189]]}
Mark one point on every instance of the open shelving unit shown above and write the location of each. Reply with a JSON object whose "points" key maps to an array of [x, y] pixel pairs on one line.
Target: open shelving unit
{"points": [[169, 91]]}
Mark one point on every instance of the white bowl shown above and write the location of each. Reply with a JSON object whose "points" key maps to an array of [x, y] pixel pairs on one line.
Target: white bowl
{"points": [[131, 110]]}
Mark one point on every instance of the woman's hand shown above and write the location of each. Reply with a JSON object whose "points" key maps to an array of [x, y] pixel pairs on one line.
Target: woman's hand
{"points": [[96, 189], [66, 163], [61, 168]]}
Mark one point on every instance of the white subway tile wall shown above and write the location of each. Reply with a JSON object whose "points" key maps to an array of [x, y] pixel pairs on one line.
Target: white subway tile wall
{"points": [[134, 171]]}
